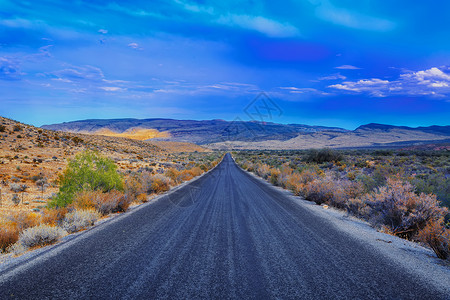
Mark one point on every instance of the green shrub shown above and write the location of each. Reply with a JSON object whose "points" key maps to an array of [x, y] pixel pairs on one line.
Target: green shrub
{"points": [[88, 171], [320, 156]]}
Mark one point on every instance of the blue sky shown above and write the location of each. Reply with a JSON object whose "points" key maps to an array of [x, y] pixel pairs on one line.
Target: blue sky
{"points": [[323, 62]]}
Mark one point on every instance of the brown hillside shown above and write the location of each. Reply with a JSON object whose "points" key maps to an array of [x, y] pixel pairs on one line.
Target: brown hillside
{"points": [[28, 154]]}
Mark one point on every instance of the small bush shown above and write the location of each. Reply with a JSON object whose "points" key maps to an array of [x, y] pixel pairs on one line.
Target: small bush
{"points": [[80, 219], [319, 191], [137, 184], [172, 174], [2, 128], [435, 235], [263, 171], [9, 234], [196, 171], [159, 184], [88, 171], [54, 217], [111, 202], [142, 198], [398, 207], [104, 203], [297, 181], [322, 155], [40, 235], [15, 199], [357, 207], [17, 188], [23, 220]]}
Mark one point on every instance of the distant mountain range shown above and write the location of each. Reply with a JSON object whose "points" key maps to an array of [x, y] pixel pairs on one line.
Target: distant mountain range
{"points": [[220, 134]]}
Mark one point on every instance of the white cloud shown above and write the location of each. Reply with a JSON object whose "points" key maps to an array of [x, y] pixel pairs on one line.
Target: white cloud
{"points": [[347, 67], [374, 86], [103, 31], [433, 77], [427, 82]]}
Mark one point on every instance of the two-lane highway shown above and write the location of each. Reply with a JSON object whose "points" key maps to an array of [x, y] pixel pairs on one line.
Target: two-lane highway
{"points": [[226, 235]]}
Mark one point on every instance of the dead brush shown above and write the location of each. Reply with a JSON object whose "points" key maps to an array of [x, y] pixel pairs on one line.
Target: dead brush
{"points": [[80, 219], [403, 211], [196, 171], [23, 220], [137, 184], [437, 236], [105, 203], [54, 217], [159, 184], [36, 236], [9, 234]]}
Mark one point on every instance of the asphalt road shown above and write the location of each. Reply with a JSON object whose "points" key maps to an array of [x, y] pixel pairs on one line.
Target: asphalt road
{"points": [[224, 236]]}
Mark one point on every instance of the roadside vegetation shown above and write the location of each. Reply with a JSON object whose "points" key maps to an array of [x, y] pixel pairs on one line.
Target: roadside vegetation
{"points": [[401, 192], [91, 187]]}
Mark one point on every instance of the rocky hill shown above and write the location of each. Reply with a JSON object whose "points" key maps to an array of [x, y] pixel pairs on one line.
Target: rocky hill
{"points": [[199, 132], [220, 134]]}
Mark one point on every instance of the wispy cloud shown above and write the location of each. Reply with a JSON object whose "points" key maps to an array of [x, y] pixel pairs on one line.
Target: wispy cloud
{"points": [[9, 69], [260, 24], [333, 77], [80, 73], [350, 18], [135, 46], [347, 67]]}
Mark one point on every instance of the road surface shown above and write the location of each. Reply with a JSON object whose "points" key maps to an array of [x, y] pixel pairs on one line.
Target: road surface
{"points": [[226, 235]]}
